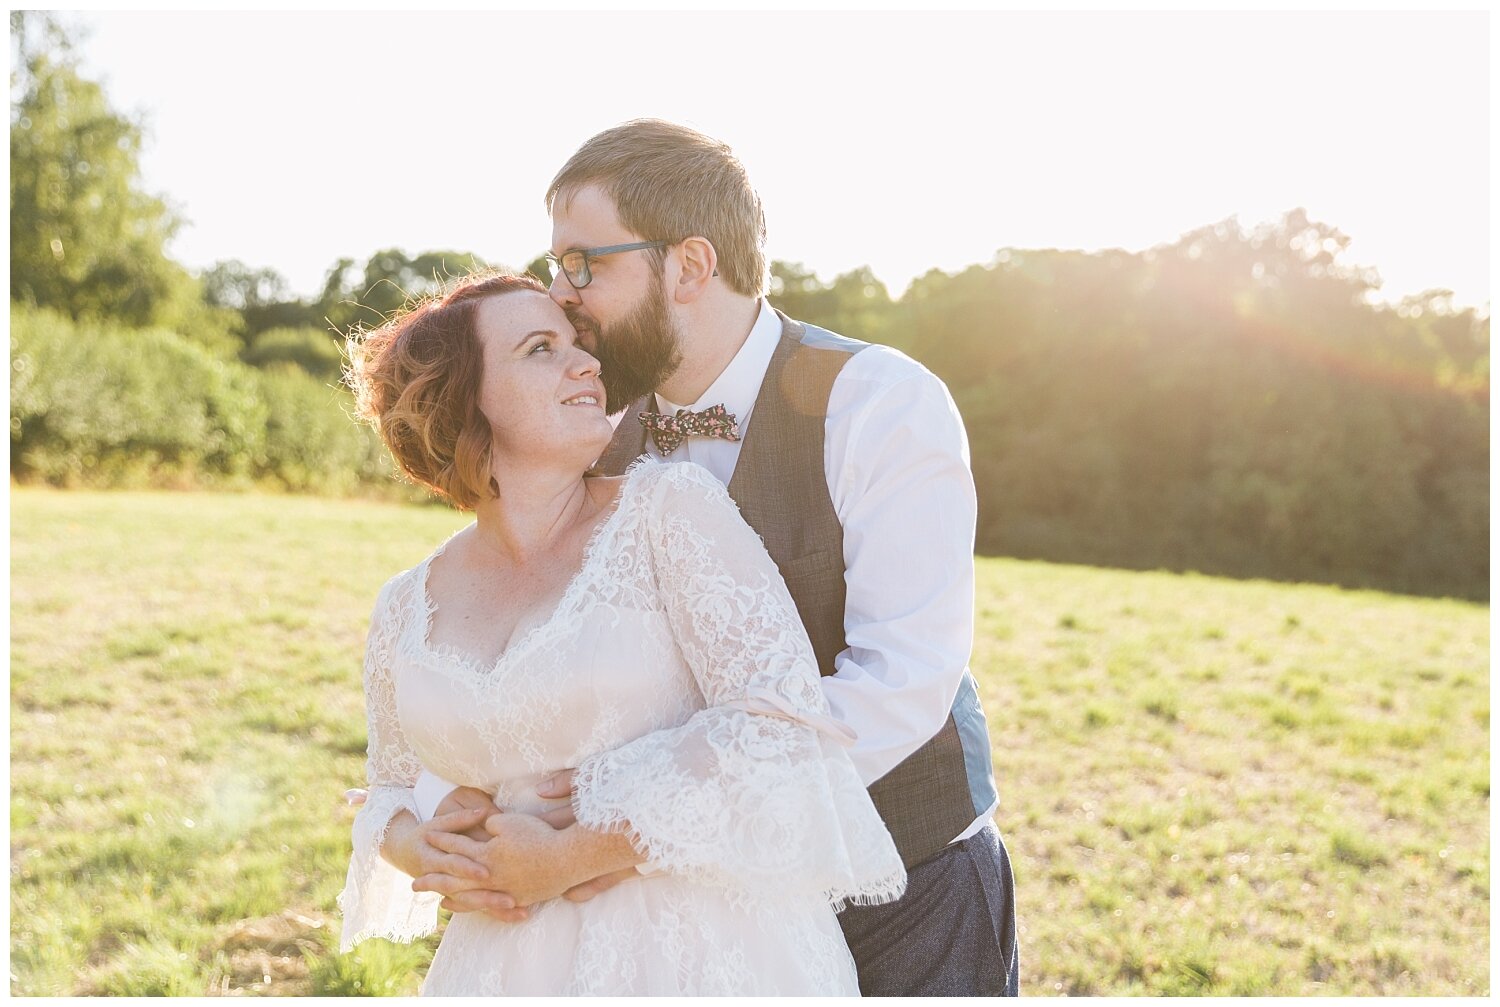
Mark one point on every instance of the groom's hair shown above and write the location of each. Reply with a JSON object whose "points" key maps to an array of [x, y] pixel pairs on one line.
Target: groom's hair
{"points": [[669, 182], [417, 378]]}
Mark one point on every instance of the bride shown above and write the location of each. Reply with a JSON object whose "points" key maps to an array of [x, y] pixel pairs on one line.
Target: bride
{"points": [[634, 628]]}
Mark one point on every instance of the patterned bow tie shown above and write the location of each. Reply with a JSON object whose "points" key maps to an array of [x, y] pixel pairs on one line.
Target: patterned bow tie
{"points": [[670, 431]]}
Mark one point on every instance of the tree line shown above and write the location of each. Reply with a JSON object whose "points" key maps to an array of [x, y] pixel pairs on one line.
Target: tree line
{"points": [[1232, 402], [1229, 403]]}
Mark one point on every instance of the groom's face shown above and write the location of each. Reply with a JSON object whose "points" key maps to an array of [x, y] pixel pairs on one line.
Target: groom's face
{"points": [[622, 315]]}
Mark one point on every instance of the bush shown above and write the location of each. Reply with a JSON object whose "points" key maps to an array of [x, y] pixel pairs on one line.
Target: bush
{"points": [[99, 405], [312, 442], [312, 350], [96, 404]]}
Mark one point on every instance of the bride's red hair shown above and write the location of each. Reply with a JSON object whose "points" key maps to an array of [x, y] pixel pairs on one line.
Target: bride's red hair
{"points": [[416, 379]]}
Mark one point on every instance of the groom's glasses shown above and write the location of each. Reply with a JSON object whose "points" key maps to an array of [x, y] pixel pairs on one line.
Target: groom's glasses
{"points": [[575, 261]]}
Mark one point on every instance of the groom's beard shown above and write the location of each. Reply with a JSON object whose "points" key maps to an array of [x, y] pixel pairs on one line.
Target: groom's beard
{"points": [[637, 353]]}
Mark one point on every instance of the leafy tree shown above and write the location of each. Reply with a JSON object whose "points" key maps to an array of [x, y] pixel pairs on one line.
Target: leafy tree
{"points": [[232, 284], [1229, 402], [855, 304], [389, 280], [262, 300], [540, 268], [84, 238]]}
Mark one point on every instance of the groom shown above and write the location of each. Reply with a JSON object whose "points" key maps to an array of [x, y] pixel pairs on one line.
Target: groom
{"points": [[851, 462]]}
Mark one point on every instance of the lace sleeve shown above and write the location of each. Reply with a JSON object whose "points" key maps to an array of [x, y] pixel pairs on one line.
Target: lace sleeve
{"points": [[756, 792], [377, 900]]}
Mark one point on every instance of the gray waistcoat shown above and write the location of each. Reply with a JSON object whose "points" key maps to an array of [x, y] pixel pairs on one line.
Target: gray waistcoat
{"points": [[781, 488]]}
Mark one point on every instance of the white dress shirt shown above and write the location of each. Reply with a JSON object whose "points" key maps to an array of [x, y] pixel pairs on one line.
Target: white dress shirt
{"points": [[897, 461]]}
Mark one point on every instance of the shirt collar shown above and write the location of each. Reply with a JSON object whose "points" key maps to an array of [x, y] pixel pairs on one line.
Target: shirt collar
{"points": [[739, 383]]}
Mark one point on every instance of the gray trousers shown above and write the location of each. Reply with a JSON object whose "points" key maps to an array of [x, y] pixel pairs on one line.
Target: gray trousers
{"points": [[952, 934]]}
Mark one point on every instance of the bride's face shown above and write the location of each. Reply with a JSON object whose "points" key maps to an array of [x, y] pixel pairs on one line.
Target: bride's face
{"points": [[540, 390]]}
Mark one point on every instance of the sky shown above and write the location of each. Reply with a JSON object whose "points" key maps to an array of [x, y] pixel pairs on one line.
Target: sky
{"points": [[896, 140]]}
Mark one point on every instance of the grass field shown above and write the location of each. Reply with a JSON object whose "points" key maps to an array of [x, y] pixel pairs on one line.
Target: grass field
{"points": [[1208, 787]]}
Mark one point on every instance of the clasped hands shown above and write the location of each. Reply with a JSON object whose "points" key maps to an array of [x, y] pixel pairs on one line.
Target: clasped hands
{"points": [[481, 858]]}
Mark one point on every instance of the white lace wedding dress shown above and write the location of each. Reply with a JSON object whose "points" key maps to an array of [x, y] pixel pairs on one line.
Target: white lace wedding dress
{"points": [[676, 676]]}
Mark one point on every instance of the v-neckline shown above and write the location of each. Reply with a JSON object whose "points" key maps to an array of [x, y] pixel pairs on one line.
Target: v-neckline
{"points": [[517, 643]]}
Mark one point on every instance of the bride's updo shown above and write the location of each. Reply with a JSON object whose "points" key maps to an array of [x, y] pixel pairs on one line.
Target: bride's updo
{"points": [[416, 379]]}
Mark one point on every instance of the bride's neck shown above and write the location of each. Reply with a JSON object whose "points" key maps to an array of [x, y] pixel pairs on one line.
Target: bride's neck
{"points": [[535, 508]]}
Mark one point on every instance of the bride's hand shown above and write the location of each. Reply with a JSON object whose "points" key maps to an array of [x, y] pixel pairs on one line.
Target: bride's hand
{"points": [[406, 847], [477, 900], [527, 858]]}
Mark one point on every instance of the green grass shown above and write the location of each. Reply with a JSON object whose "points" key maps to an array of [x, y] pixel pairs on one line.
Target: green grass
{"points": [[1207, 787], [1238, 788]]}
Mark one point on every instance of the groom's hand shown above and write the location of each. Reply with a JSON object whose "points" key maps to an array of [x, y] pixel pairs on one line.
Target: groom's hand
{"points": [[603, 883], [555, 787], [469, 799]]}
